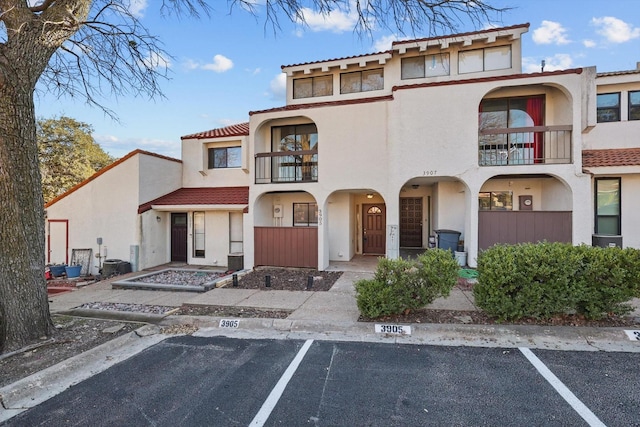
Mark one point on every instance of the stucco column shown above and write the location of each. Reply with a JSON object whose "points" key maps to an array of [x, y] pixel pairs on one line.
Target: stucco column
{"points": [[393, 226], [323, 233]]}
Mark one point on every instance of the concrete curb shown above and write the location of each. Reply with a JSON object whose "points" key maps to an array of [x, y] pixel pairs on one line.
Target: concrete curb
{"points": [[508, 336], [127, 316], [43, 385]]}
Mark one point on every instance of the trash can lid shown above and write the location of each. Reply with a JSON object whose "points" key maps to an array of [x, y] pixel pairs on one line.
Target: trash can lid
{"points": [[447, 231]]}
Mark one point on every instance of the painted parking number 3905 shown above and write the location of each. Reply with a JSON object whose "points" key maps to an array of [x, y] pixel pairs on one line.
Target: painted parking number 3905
{"points": [[229, 323]]}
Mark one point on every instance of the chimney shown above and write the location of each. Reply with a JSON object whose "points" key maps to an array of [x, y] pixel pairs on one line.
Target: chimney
{"points": [[637, 65]]}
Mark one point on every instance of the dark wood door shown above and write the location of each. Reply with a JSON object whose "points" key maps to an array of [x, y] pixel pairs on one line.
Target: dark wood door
{"points": [[411, 222], [373, 232], [179, 237]]}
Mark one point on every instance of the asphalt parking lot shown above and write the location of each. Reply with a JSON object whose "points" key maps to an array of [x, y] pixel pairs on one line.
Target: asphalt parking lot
{"points": [[220, 381]]}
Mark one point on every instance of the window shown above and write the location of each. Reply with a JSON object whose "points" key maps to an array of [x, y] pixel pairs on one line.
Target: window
{"points": [[634, 105], [425, 66], [608, 107], [313, 86], [361, 81], [493, 58], [305, 214], [198, 234], [504, 148], [496, 201], [228, 157], [301, 165], [608, 221], [235, 232]]}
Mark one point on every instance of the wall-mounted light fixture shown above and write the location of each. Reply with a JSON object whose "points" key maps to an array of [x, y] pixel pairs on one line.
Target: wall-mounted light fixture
{"points": [[158, 219], [415, 186], [369, 196]]}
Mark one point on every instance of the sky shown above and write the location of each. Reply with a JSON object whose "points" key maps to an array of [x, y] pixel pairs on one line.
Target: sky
{"points": [[226, 65]]}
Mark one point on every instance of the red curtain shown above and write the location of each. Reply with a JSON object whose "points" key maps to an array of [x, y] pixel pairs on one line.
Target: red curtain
{"points": [[534, 110]]}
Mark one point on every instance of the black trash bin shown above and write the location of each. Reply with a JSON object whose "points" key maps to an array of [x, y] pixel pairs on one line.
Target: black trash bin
{"points": [[448, 239]]}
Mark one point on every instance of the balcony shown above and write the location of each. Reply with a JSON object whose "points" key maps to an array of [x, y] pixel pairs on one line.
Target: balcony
{"points": [[525, 146], [285, 167]]}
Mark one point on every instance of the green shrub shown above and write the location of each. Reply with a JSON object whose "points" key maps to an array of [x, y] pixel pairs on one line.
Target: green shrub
{"points": [[400, 285], [547, 279]]}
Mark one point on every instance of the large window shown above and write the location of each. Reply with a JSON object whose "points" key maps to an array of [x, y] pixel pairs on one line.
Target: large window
{"points": [[313, 86], [235, 232], [491, 58], [198, 234], [608, 107], [496, 201], [227, 157], [608, 221], [634, 105], [302, 164], [361, 81], [305, 214], [509, 148], [425, 66]]}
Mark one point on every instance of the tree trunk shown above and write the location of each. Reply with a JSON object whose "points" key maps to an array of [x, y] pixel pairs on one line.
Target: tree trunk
{"points": [[24, 306]]}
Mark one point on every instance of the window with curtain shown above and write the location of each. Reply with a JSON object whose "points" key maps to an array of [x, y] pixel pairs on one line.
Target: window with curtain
{"points": [[312, 87], [487, 59], [305, 214], [425, 66], [511, 147], [302, 142], [608, 218], [362, 81]]}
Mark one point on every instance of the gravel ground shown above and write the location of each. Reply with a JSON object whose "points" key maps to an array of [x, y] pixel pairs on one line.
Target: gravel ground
{"points": [[288, 279], [181, 278], [118, 306]]}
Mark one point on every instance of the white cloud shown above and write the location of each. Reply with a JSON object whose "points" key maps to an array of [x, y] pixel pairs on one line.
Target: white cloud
{"points": [[589, 43], [137, 7], [156, 61], [559, 61], [615, 30], [337, 21], [220, 64], [278, 87], [550, 33], [384, 43]]}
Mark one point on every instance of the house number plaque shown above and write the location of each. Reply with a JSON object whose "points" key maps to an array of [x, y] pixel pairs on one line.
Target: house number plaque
{"points": [[430, 173]]}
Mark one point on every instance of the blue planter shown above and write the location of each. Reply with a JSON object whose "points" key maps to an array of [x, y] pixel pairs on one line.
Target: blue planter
{"points": [[73, 271], [57, 270]]}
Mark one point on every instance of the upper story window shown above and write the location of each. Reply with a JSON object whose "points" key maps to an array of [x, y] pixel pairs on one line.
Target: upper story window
{"points": [[227, 157], [362, 81], [634, 105], [487, 59], [512, 112], [425, 66], [608, 107], [295, 137], [313, 86]]}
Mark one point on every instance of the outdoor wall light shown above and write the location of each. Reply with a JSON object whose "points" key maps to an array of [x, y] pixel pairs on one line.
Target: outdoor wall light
{"points": [[369, 196], [158, 219]]}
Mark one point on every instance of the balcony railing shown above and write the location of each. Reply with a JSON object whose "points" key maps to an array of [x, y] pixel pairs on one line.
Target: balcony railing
{"points": [[287, 166], [525, 146]]}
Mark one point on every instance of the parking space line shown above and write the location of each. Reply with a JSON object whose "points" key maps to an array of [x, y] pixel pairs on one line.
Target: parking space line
{"points": [[267, 407], [562, 390]]}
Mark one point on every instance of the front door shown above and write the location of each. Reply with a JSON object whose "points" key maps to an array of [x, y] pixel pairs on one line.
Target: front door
{"points": [[179, 237], [373, 232], [58, 241], [411, 222]]}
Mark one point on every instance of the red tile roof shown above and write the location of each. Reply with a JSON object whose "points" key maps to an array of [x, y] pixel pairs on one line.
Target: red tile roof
{"points": [[241, 129], [324, 104], [201, 196], [611, 157], [105, 169]]}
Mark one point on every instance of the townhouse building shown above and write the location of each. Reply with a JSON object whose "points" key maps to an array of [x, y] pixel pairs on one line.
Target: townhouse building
{"points": [[438, 141]]}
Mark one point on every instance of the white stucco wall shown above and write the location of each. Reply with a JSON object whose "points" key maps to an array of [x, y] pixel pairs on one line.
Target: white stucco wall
{"points": [[196, 172], [107, 207]]}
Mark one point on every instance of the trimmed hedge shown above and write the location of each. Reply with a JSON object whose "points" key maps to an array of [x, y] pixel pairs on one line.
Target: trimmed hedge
{"points": [[547, 279], [400, 285]]}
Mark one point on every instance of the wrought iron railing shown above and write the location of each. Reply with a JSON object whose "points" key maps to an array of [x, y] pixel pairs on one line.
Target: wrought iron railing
{"points": [[287, 166], [525, 146]]}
